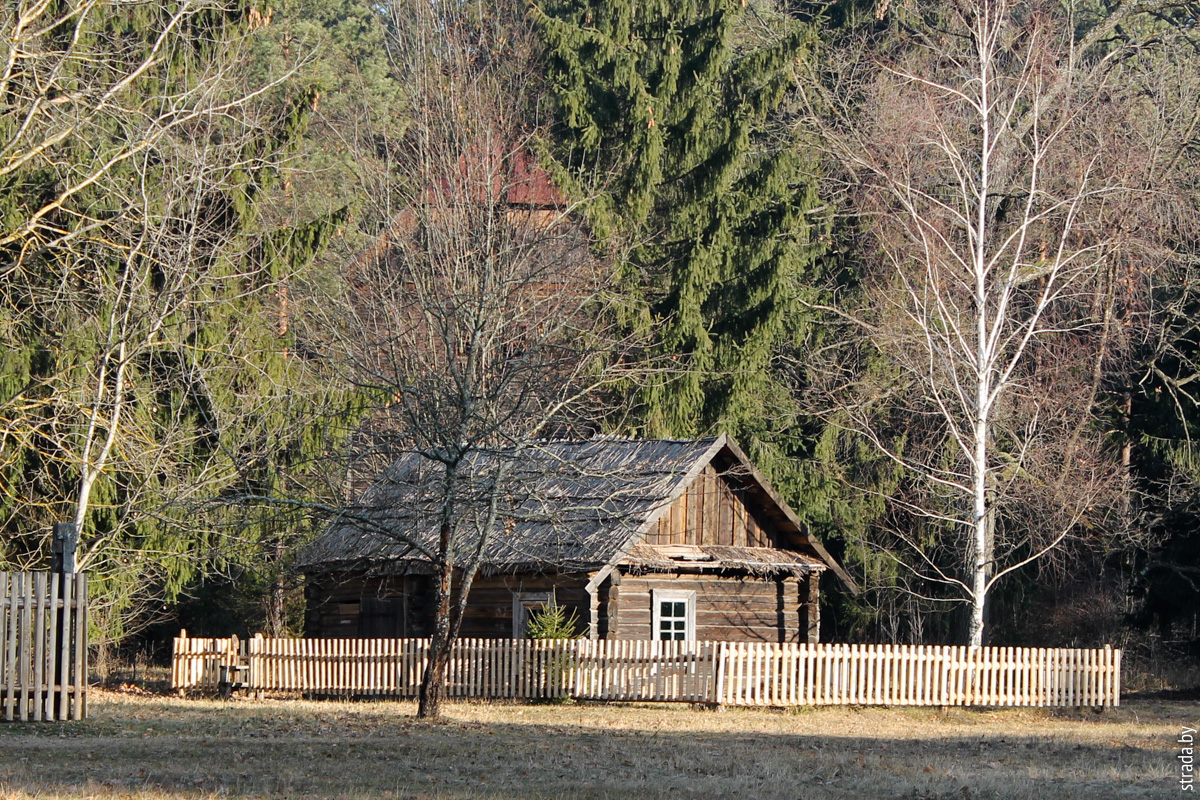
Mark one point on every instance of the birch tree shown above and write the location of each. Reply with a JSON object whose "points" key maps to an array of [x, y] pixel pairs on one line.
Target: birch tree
{"points": [[985, 167]]}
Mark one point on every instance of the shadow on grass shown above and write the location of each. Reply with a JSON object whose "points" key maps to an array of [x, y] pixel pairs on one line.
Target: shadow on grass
{"points": [[285, 750]]}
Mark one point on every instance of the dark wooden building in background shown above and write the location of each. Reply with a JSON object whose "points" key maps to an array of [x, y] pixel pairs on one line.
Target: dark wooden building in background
{"points": [[652, 539]]}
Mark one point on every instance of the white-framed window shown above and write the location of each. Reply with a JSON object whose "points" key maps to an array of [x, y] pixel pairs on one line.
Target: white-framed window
{"points": [[673, 615], [523, 604]]}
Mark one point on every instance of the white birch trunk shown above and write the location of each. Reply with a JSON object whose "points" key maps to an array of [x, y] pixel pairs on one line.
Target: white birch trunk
{"points": [[985, 252], [980, 433]]}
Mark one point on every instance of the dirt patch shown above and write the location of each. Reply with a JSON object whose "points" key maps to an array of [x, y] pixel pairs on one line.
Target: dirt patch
{"points": [[154, 747]]}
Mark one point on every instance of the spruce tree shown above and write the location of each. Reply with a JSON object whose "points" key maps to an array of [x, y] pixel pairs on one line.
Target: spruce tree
{"points": [[671, 126]]}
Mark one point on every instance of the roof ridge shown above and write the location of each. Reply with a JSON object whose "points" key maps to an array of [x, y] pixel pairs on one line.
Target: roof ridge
{"points": [[610, 437]]}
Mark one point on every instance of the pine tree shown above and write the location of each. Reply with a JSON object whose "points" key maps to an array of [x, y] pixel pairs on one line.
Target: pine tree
{"points": [[670, 125]]}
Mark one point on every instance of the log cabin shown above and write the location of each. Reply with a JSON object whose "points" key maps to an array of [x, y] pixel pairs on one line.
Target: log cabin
{"points": [[638, 539]]}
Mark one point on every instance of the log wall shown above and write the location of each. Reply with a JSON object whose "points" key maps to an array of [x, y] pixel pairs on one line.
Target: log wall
{"points": [[735, 609], [489, 612], [356, 606], [731, 609], [351, 605]]}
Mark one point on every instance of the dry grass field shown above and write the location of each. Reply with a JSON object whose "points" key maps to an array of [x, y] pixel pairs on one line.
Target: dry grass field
{"points": [[155, 747]]}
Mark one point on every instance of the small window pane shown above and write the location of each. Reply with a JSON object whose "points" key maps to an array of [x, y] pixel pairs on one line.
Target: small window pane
{"points": [[673, 620]]}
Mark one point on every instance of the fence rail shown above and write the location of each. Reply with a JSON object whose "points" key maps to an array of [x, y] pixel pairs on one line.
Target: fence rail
{"points": [[727, 673], [43, 646]]}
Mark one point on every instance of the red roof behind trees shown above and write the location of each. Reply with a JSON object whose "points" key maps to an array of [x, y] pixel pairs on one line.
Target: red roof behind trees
{"points": [[513, 173], [531, 186]]}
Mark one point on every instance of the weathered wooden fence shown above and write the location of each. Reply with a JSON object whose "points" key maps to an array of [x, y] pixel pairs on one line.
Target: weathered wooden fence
{"points": [[727, 673], [197, 662], [43, 646]]}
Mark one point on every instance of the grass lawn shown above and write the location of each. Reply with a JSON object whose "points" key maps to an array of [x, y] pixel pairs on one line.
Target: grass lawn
{"points": [[156, 747]]}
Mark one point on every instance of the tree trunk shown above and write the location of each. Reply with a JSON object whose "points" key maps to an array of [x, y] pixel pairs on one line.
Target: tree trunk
{"points": [[90, 470], [980, 551], [433, 687], [276, 615], [985, 356]]}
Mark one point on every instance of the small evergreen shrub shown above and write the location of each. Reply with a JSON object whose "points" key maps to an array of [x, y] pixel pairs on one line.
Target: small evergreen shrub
{"points": [[552, 621]]}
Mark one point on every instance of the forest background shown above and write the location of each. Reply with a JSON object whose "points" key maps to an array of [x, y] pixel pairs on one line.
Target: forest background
{"points": [[934, 265]]}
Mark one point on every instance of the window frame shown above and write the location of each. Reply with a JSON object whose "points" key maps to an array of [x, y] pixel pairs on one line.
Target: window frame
{"points": [[660, 596], [523, 603]]}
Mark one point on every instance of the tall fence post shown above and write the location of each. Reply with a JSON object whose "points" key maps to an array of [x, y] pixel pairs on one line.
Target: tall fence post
{"points": [[65, 542]]}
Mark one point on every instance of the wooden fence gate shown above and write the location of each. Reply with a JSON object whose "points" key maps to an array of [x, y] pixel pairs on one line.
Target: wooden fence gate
{"points": [[43, 646]]}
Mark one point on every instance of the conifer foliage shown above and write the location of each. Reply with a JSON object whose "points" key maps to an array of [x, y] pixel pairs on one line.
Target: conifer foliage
{"points": [[143, 291], [670, 126]]}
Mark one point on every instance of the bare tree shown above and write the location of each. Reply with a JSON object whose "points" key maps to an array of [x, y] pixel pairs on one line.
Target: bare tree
{"points": [[986, 164], [477, 323]]}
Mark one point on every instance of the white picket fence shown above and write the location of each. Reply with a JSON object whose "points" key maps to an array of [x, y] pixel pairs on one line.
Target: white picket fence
{"points": [[725, 673]]}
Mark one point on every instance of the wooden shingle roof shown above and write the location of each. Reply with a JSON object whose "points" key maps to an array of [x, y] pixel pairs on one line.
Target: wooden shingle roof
{"points": [[569, 505]]}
